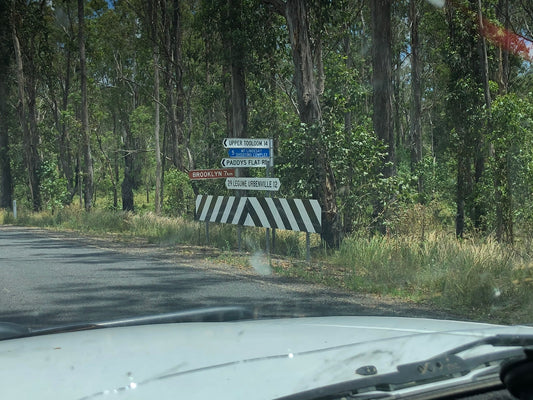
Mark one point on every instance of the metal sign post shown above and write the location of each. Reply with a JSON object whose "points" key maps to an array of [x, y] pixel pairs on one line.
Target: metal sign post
{"points": [[307, 247], [269, 174], [269, 212]]}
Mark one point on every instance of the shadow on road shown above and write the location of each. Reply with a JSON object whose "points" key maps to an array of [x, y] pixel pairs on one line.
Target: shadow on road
{"points": [[59, 281]]}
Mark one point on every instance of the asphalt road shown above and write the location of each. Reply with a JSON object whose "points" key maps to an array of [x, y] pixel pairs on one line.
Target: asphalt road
{"points": [[51, 279]]}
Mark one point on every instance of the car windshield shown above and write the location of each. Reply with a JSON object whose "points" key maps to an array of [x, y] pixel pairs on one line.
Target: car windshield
{"points": [[265, 159]]}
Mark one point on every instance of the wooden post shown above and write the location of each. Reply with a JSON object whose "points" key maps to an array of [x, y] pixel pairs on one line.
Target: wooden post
{"points": [[307, 247]]}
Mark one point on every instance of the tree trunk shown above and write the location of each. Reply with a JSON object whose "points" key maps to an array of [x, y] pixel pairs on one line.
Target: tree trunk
{"points": [[152, 13], [462, 191], [88, 175], [239, 112], [58, 107], [6, 183], [65, 151], [416, 90], [128, 181], [181, 144], [347, 217], [480, 152], [382, 94], [158, 196], [171, 24], [29, 132], [502, 186]]}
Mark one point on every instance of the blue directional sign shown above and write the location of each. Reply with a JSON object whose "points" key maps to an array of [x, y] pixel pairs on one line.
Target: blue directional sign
{"points": [[245, 153]]}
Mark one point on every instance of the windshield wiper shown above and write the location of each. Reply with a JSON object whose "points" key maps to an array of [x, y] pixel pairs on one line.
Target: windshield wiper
{"points": [[10, 330], [447, 365]]}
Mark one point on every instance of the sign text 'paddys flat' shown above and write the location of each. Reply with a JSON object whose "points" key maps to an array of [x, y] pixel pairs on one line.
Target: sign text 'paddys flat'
{"points": [[245, 162], [211, 173]]}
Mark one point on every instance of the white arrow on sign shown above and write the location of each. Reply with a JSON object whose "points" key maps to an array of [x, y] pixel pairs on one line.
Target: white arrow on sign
{"points": [[236, 143], [270, 184], [244, 162]]}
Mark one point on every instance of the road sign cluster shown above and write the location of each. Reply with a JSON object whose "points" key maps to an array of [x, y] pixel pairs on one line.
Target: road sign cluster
{"points": [[288, 214], [243, 153]]}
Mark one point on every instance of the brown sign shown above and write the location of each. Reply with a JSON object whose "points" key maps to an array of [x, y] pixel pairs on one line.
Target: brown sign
{"points": [[199, 174]]}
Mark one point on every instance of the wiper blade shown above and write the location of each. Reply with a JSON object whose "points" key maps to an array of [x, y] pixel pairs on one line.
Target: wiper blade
{"points": [[10, 330], [447, 365]]}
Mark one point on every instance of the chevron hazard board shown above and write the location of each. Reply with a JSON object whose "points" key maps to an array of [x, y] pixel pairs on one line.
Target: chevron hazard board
{"points": [[287, 214]]}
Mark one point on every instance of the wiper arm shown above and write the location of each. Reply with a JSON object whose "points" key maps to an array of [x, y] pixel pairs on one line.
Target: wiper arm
{"points": [[9, 330], [444, 366]]}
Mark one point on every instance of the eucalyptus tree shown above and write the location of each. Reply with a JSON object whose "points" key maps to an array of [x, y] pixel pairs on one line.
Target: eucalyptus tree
{"points": [[227, 43], [415, 127], [171, 38], [507, 34], [29, 35], [88, 172], [121, 66], [309, 84], [382, 116], [151, 12], [6, 51], [465, 109], [60, 85]]}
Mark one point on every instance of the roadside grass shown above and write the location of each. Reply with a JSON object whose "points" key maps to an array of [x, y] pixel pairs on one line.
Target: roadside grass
{"points": [[159, 229], [480, 279], [477, 278]]}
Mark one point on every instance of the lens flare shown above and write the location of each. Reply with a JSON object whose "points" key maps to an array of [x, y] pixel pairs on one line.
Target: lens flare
{"points": [[507, 40], [437, 3]]}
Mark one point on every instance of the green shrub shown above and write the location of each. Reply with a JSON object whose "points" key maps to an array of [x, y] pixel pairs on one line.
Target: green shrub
{"points": [[53, 187], [179, 196]]}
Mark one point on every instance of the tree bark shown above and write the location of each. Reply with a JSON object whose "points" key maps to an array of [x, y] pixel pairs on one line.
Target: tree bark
{"points": [[382, 94], [158, 194], [324, 189], [128, 180], [502, 187], [172, 41], [181, 143], [480, 151], [29, 131], [65, 151], [463, 176], [6, 183], [416, 92], [239, 111], [152, 14], [88, 177]]}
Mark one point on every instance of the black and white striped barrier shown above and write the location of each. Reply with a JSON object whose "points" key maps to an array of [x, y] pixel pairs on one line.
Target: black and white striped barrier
{"points": [[288, 214]]}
